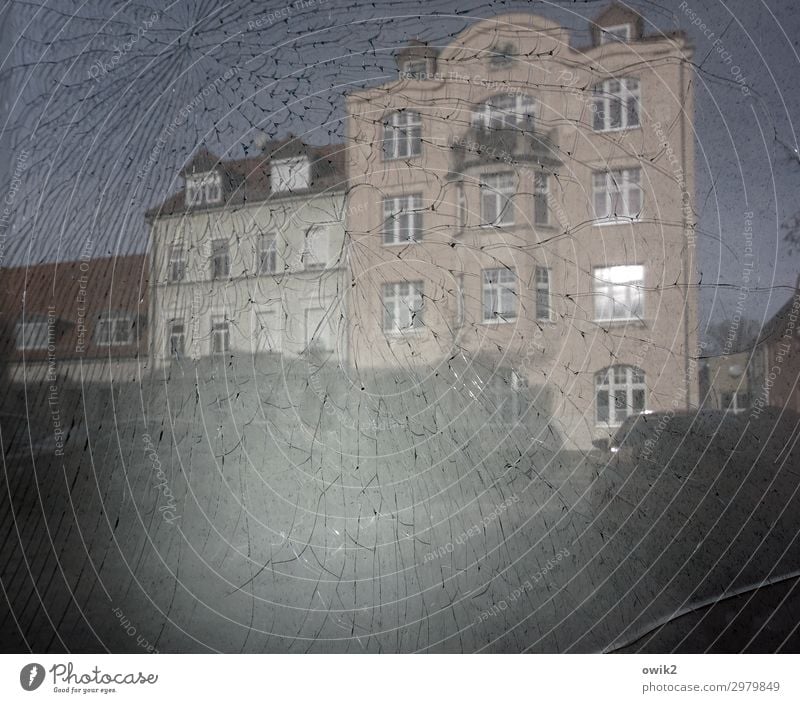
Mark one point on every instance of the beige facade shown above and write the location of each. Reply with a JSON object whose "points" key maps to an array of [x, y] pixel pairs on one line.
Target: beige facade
{"points": [[248, 259], [545, 238]]}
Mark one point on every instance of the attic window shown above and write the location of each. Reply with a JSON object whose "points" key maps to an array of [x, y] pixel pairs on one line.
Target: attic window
{"points": [[289, 175], [502, 55], [415, 69], [615, 33], [204, 188]]}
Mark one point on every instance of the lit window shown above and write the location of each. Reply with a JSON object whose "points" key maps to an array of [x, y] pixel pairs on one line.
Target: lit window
{"points": [[267, 254], [220, 336], [499, 295], [402, 135], [619, 392], [177, 263], [619, 293], [617, 194], [616, 104], [544, 309], [32, 335], [205, 188], [220, 259], [497, 190], [113, 329], [402, 307], [505, 111], [541, 191], [617, 33], [176, 340], [402, 219]]}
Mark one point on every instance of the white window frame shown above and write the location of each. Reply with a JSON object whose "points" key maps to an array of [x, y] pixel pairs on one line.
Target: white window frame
{"points": [[621, 385], [614, 33], [403, 305], [114, 322], [220, 328], [204, 188], [402, 135], [506, 111], [316, 245], [541, 199], [216, 254], [619, 294], [543, 299], [500, 298], [176, 266], [32, 335], [172, 335], [267, 255], [623, 94], [402, 219], [614, 196], [497, 199]]}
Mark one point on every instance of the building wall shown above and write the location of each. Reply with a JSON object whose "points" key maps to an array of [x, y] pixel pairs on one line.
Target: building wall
{"points": [[245, 297], [566, 353]]}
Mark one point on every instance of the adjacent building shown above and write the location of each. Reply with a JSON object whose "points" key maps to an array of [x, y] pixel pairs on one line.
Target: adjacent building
{"points": [[248, 257], [520, 200], [82, 321]]}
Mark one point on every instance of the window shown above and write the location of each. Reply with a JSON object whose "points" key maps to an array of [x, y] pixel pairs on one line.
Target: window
{"points": [[113, 329], [619, 293], [499, 295], [176, 340], [315, 248], [544, 309], [220, 336], [267, 332], [736, 401], [402, 306], [417, 68], [177, 263], [402, 219], [497, 190], [616, 104], [461, 207], [504, 398], [290, 175], [617, 194], [205, 188], [619, 392], [32, 335], [402, 135], [502, 56], [617, 33], [267, 254], [541, 210], [505, 111], [220, 259]]}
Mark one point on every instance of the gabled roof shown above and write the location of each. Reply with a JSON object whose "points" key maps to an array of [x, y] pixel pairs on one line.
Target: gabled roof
{"points": [[248, 181]]}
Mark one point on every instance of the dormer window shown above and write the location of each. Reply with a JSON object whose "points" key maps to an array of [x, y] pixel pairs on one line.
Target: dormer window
{"points": [[502, 56], [616, 33], [506, 111], [289, 175], [415, 69], [203, 189]]}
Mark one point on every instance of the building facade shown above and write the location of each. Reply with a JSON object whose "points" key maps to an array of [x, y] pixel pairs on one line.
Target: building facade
{"points": [[248, 258], [526, 202]]}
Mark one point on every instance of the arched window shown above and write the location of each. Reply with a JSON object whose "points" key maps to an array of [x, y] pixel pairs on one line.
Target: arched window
{"points": [[616, 104], [402, 135], [505, 111], [619, 392]]}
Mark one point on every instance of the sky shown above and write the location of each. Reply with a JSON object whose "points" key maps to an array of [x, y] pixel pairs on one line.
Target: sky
{"points": [[93, 93]]}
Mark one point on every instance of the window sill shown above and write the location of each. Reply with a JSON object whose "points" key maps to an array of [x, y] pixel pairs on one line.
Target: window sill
{"points": [[620, 322], [404, 243], [389, 159], [400, 336], [496, 322], [508, 225], [616, 129], [616, 221]]}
